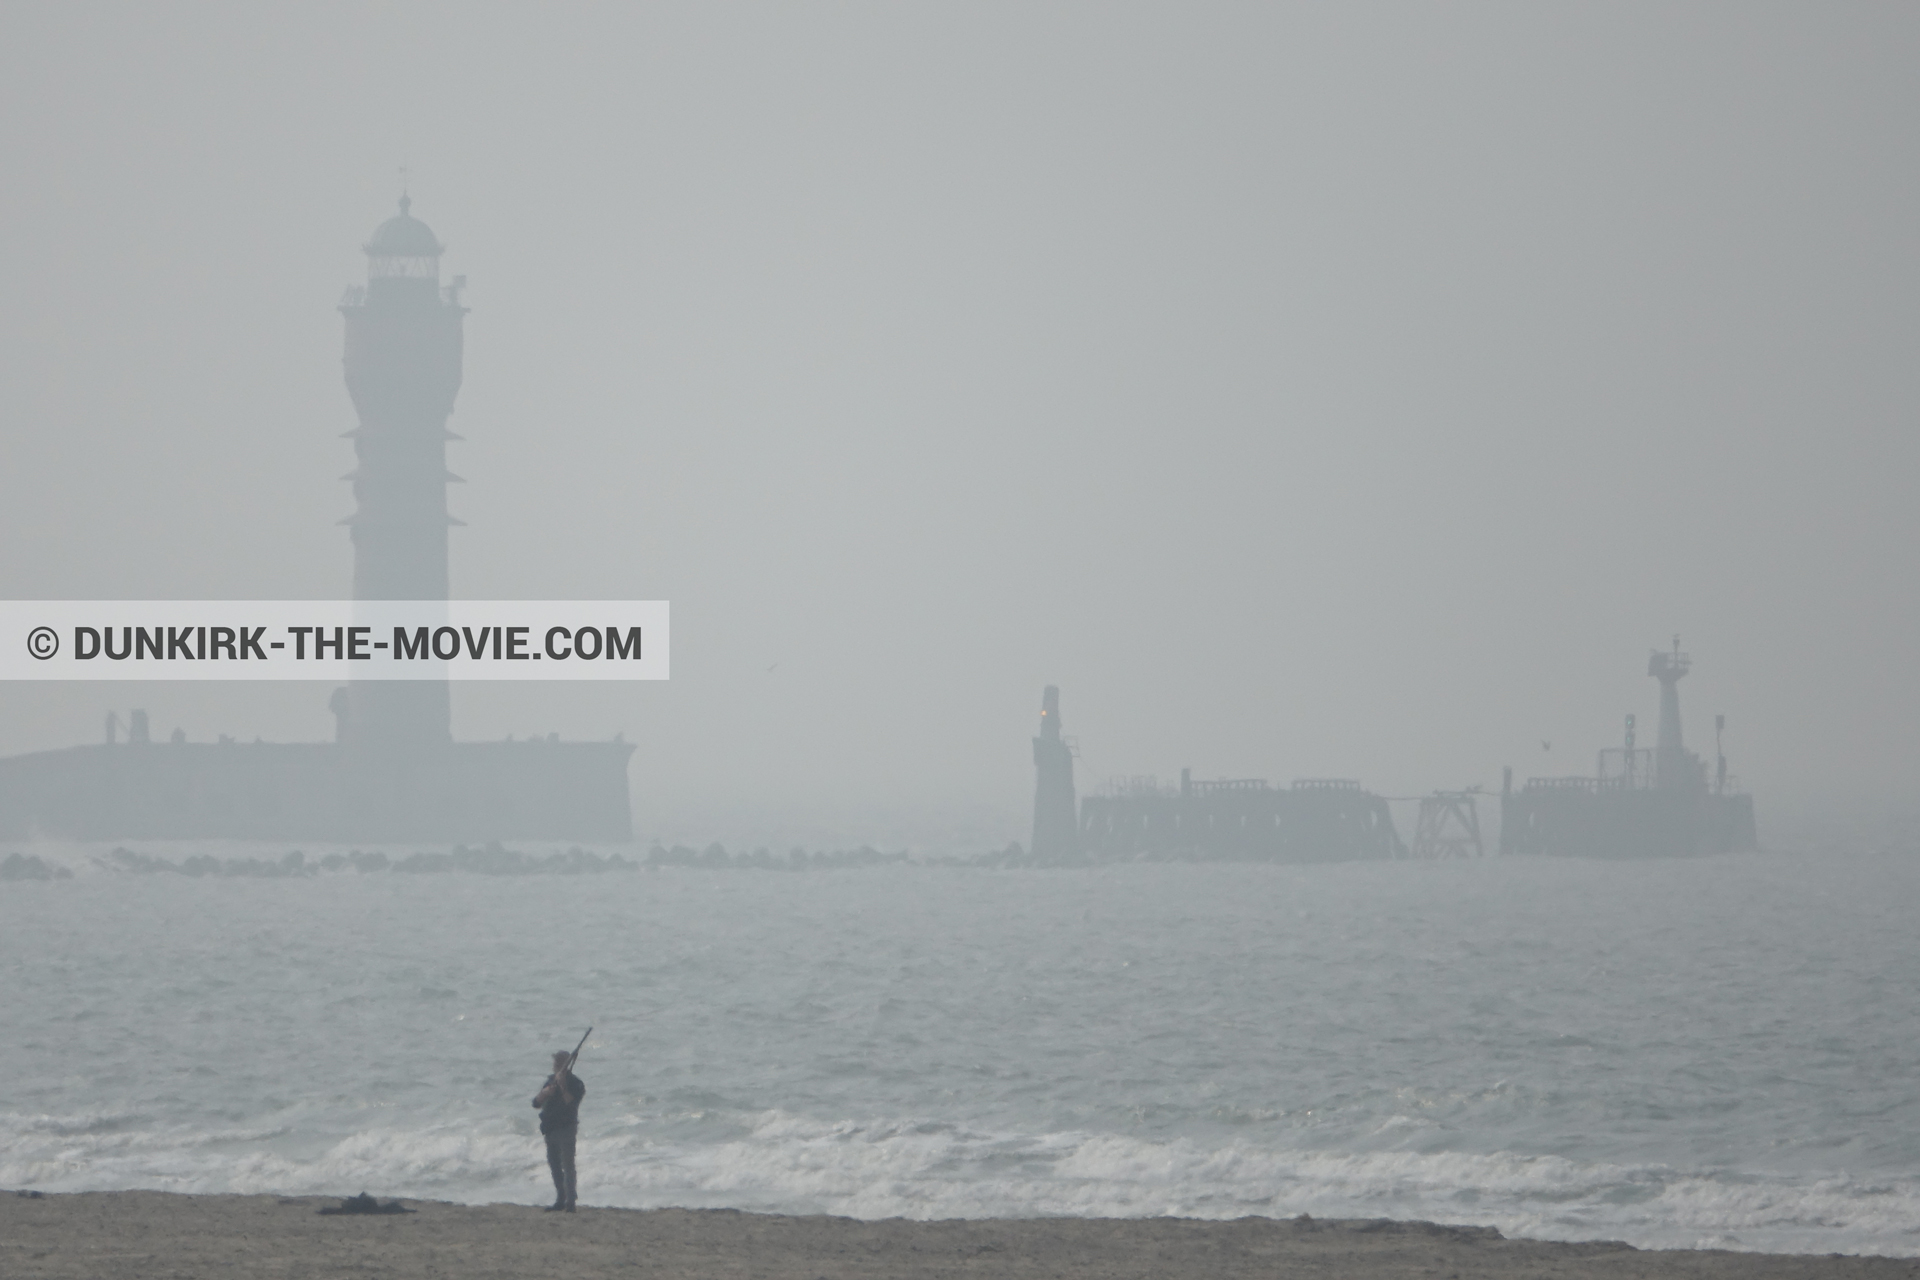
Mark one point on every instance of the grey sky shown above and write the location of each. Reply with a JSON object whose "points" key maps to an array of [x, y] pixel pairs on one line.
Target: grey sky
{"points": [[1309, 391]]}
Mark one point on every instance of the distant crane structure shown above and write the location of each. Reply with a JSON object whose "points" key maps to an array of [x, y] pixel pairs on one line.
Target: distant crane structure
{"points": [[1448, 826]]}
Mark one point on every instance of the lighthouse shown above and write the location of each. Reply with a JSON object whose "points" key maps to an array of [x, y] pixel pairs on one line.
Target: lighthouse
{"points": [[394, 771], [402, 364], [1056, 824]]}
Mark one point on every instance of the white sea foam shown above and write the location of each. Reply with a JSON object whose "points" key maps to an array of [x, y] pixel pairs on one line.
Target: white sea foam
{"points": [[1706, 1054], [930, 1170]]}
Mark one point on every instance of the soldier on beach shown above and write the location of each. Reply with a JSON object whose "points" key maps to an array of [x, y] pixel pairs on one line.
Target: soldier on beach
{"points": [[559, 1104]]}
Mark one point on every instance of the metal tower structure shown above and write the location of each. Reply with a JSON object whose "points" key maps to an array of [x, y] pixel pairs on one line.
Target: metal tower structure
{"points": [[1448, 826], [403, 353], [1056, 825], [1672, 769]]}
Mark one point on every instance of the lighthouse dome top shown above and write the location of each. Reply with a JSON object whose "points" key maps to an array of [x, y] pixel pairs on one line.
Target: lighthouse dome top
{"points": [[403, 236], [403, 248]]}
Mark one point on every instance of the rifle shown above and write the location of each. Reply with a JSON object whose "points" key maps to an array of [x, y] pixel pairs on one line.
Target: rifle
{"points": [[568, 1069], [576, 1051]]}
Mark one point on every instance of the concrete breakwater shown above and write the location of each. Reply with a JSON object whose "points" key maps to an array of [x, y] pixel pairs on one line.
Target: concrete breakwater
{"points": [[492, 859]]}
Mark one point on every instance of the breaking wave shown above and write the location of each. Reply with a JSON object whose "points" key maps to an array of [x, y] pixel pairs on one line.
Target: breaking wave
{"points": [[1704, 1053], [927, 1169]]}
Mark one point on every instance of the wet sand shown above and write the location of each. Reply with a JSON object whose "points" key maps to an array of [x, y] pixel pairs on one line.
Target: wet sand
{"points": [[151, 1235]]}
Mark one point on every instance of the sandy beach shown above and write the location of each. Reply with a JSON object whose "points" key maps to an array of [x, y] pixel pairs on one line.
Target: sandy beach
{"points": [[149, 1235]]}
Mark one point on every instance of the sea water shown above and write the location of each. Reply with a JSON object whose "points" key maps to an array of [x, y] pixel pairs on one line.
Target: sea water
{"points": [[1713, 1052]]}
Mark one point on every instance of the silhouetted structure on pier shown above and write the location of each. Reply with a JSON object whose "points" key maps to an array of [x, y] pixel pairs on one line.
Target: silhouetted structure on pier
{"points": [[393, 771], [1448, 826], [1230, 820], [1238, 820], [1056, 831], [1639, 803], [319, 791]]}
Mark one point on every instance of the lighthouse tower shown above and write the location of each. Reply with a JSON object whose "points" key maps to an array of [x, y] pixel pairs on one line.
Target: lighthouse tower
{"points": [[1056, 826], [1674, 767], [403, 371], [396, 773]]}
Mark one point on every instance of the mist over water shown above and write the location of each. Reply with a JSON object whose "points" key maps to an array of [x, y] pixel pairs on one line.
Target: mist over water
{"points": [[1308, 391], [1703, 1052]]}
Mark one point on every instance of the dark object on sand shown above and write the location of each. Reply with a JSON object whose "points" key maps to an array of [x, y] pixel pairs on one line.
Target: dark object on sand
{"points": [[364, 1203]]}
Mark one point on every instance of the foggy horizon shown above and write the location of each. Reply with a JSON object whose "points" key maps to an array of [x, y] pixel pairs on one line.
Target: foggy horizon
{"points": [[1357, 393], [1003, 401]]}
